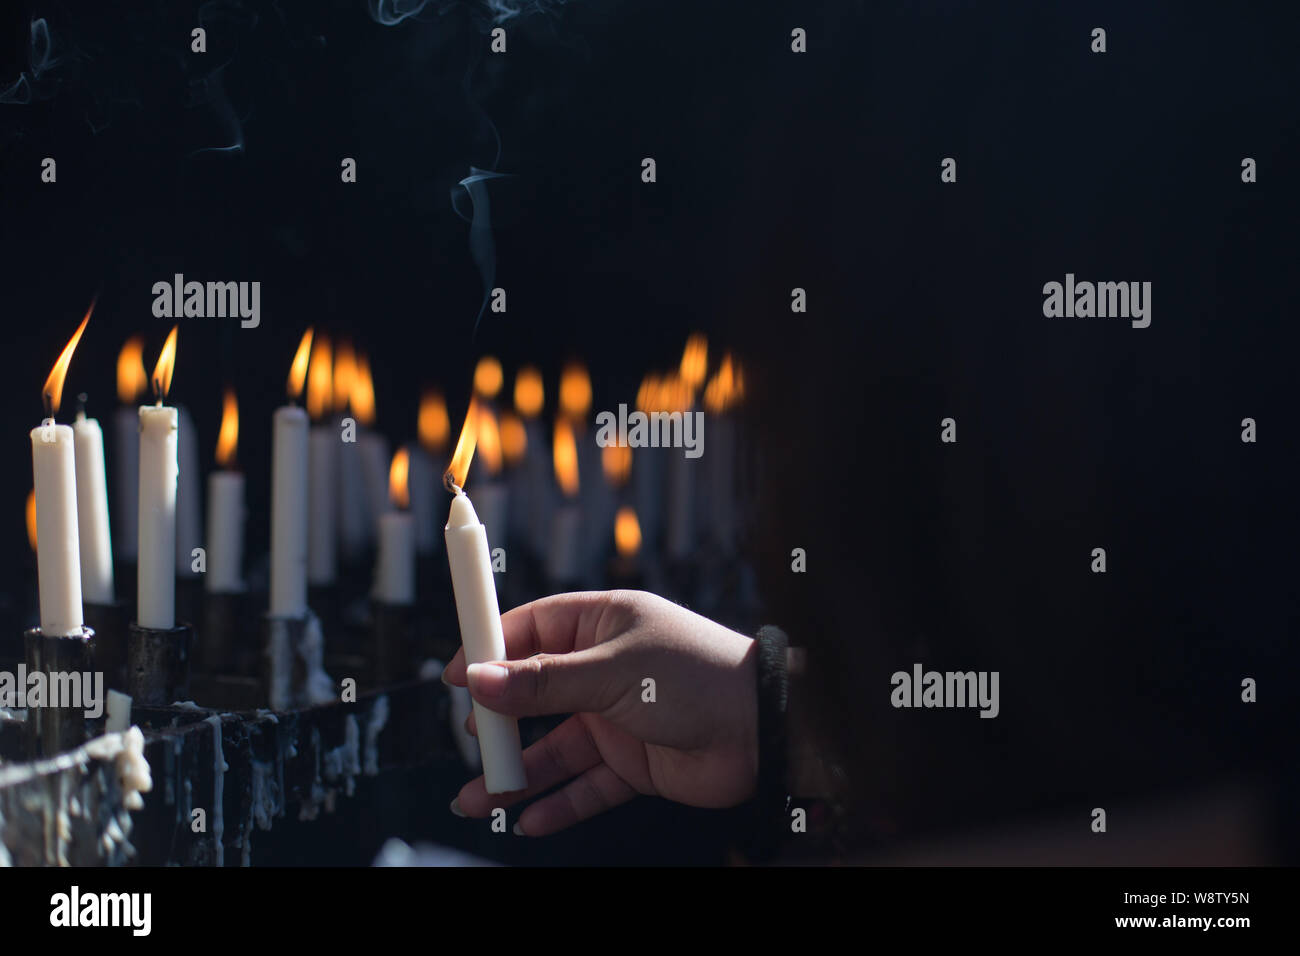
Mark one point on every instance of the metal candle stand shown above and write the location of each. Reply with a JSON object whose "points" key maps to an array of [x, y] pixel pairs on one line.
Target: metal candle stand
{"points": [[396, 652], [221, 648], [52, 730], [158, 664], [293, 650], [110, 622]]}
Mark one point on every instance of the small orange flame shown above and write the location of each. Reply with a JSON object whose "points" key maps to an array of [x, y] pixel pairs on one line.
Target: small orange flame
{"points": [[627, 532], [345, 374], [668, 393], [488, 377], [363, 393], [398, 472], [162, 372], [514, 438], [228, 436], [616, 461], [575, 390], [320, 378], [31, 518], [695, 360], [298, 370], [464, 453], [726, 388], [565, 454], [132, 379], [53, 391], [434, 427], [489, 440], [529, 394]]}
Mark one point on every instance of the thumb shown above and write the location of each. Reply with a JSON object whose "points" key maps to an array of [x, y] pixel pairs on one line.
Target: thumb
{"points": [[545, 684]]}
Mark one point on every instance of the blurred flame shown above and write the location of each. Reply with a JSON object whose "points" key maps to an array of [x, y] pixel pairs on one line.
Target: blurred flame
{"points": [[433, 427], [320, 378], [345, 373], [464, 453], [695, 360], [575, 390], [398, 486], [726, 388], [162, 372], [565, 456], [53, 391], [616, 461], [668, 393], [488, 377], [363, 393], [489, 440], [529, 394], [298, 371], [31, 518], [514, 438], [627, 532], [228, 437], [132, 379]]}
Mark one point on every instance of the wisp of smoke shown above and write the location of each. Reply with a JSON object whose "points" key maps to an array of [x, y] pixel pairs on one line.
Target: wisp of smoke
{"points": [[392, 12], [481, 247], [37, 82]]}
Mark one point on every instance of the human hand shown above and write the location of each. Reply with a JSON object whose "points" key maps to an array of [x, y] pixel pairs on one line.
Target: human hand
{"points": [[587, 654]]}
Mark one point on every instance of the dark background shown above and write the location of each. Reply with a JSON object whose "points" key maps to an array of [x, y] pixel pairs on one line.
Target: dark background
{"points": [[775, 170]]}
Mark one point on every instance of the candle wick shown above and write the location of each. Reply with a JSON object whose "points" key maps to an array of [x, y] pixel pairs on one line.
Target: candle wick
{"points": [[449, 482], [48, 398]]}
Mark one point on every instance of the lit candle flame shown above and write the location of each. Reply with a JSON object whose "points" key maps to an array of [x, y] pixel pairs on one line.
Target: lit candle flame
{"points": [[363, 393], [575, 390], [668, 393], [454, 478], [53, 391], [345, 373], [31, 518], [627, 532], [433, 425], [398, 475], [488, 377], [514, 438], [695, 360], [726, 388], [529, 394], [320, 378], [228, 436], [616, 462], [489, 440], [162, 372], [565, 455], [132, 379], [298, 371]]}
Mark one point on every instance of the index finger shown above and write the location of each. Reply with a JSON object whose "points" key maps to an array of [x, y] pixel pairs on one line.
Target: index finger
{"points": [[551, 625]]}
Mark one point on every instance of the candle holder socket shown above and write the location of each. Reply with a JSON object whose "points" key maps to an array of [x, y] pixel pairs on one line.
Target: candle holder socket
{"points": [[110, 622], [396, 651], [293, 663], [158, 664], [52, 730]]}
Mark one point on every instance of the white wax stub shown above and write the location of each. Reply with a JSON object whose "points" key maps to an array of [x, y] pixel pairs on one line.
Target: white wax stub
{"points": [[119, 712], [483, 640]]}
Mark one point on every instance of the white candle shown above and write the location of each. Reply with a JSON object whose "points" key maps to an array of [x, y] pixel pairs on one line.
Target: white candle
{"points": [[58, 557], [225, 554], [289, 513], [322, 551], [395, 572], [92, 512], [483, 640], [537, 466], [374, 471], [648, 493], [681, 505], [564, 557], [156, 587], [126, 474], [353, 505], [189, 504], [424, 497]]}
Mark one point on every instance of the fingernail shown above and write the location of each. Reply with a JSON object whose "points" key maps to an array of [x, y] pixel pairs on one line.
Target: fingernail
{"points": [[443, 678], [519, 831], [455, 808], [488, 679]]}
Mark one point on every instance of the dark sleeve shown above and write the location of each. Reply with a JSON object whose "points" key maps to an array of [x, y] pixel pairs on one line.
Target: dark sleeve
{"points": [[769, 810]]}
